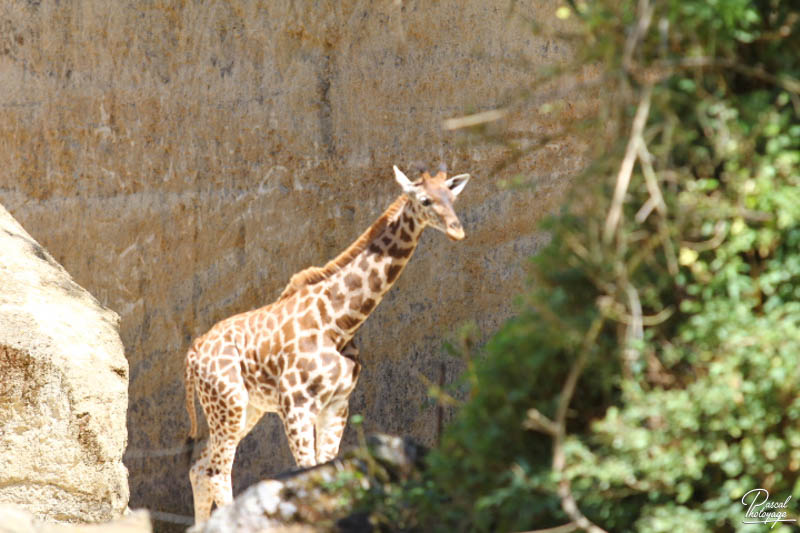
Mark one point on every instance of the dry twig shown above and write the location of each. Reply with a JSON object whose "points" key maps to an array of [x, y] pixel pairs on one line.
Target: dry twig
{"points": [[634, 333], [626, 169], [474, 120], [651, 180], [537, 421], [645, 15], [720, 231]]}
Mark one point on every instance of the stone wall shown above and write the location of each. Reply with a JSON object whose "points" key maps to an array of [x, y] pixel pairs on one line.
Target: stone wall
{"points": [[183, 159]]}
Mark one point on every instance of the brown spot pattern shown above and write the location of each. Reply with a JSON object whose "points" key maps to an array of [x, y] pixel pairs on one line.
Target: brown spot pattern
{"points": [[399, 252], [315, 386], [367, 306], [299, 398], [323, 311], [288, 331], [231, 373], [307, 344], [355, 303], [308, 321], [392, 271], [352, 282], [265, 379], [264, 349], [334, 373], [336, 297], [327, 339], [374, 280], [304, 304], [347, 322]]}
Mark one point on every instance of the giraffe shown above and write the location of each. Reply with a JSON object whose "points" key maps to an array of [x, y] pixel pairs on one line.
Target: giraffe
{"points": [[296, 356]]}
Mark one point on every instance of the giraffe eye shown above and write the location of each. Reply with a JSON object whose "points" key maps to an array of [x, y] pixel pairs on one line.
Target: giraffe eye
{"points": [[425, 201]]}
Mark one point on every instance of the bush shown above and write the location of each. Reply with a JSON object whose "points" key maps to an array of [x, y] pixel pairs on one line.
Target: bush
{"points": [[651, 378]]}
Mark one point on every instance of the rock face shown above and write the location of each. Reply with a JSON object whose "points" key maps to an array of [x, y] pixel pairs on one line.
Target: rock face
{"points": [[183, 159], [15, 520], [63, 389]]}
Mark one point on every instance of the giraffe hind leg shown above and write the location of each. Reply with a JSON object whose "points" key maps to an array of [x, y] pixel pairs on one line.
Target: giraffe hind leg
{"points": [[201, 487], [220, 467], [228, 420], [211, 473]]}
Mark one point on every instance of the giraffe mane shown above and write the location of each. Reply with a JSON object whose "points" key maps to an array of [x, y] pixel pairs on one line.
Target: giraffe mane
{"points": [[312, 275]]}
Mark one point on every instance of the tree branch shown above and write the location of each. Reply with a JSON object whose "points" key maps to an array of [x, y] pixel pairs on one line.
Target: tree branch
{"points": [[537, 421], [626, 169], [568, 503]]}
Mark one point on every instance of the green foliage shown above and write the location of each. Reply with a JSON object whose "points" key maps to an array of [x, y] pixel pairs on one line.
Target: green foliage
{"points": [[681, 322]]}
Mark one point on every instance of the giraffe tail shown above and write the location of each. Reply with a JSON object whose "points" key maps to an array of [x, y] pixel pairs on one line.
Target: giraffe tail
{"points": [[190, 381]]}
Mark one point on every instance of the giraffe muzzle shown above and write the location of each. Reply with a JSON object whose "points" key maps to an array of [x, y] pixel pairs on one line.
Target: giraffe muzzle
{"points": [[455, 231]]}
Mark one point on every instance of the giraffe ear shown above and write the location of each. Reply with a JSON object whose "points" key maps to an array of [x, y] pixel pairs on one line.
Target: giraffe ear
{"points": [[403, 180], [457, 183]]}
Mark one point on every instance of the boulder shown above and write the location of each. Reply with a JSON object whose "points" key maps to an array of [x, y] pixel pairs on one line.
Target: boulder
{"points": [[63, 389], [320, 498], [15, 520]]}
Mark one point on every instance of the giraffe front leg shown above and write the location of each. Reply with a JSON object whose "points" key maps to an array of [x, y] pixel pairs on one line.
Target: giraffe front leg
{"points": [[332, 418], [299, 426], [330, 428]]}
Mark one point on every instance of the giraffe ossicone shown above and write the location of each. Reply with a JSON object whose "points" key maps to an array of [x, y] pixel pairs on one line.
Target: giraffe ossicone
{"points": [[296, 357]]}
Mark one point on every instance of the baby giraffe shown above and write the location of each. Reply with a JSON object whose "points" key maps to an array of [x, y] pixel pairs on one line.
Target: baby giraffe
{"points": [[296, 357]]}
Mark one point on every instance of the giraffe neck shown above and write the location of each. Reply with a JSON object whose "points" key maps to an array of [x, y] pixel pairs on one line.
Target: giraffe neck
{"points": [[359, 286]]}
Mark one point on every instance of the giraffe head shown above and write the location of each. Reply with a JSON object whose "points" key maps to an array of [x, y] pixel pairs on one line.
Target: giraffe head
{"points": [[433, 197]]}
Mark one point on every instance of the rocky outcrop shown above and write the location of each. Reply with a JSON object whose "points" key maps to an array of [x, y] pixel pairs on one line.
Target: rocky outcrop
{"points": [[15, 520], [321, 498], [183, 159], [63, 389]]}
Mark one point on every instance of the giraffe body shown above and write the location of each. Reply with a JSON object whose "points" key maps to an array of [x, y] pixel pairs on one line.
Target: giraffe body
{"points": [[296, 357]]}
